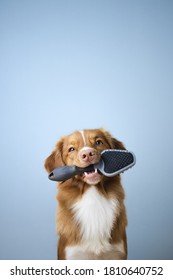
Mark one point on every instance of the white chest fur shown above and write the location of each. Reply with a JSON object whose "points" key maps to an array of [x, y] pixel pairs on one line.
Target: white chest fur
{"points": [[95, 214]]}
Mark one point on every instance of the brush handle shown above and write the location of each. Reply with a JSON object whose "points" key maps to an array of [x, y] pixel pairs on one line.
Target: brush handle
{"points": [[64, 173]]}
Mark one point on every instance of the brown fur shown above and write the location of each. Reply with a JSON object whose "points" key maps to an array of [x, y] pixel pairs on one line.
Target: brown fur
{"points": [[73, 189]]}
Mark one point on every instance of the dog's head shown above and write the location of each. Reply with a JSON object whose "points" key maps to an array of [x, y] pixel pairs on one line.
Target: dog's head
{"points": [[82, 148]]}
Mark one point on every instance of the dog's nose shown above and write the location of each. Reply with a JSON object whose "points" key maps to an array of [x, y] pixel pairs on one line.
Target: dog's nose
{"points": [[88, 155]]}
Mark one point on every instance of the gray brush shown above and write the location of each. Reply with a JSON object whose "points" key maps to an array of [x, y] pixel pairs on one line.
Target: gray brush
{"points": [[113, 162]]}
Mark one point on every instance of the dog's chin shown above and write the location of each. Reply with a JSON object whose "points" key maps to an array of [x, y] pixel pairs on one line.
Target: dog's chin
{"points": [[92, 178]]}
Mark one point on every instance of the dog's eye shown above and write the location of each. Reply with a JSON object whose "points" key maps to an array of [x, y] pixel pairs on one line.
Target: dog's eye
{"points": [[99, 142], [71, 149]]}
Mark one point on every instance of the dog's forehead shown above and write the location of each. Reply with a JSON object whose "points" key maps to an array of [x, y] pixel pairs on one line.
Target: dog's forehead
{"points": [[91, 134], [73, 138], [83, 136]]}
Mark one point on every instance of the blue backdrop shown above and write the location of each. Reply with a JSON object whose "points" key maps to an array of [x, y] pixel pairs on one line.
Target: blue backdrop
{"points": [[68, 65]]}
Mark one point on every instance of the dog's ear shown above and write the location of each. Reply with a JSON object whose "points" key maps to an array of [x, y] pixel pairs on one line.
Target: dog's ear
{"points": [[55, 158], [116, 144], [113, 142]]}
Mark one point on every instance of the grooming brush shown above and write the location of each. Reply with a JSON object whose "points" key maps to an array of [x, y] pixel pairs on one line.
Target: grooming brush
{"points": [[113, 162]]}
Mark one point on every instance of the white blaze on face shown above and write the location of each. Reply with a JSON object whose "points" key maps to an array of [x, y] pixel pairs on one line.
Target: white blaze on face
{"points": [[83, 137], [91, 178]]}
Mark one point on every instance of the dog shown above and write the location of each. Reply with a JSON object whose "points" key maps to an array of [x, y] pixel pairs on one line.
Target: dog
{"points": [[91, 216]]}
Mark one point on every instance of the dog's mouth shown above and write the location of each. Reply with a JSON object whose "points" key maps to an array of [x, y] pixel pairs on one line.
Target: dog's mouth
{"points": [[89, 174], [92, 177]]}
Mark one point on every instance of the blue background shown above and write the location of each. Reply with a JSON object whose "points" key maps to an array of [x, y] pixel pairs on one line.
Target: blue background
{"points": [[67, 65]]}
